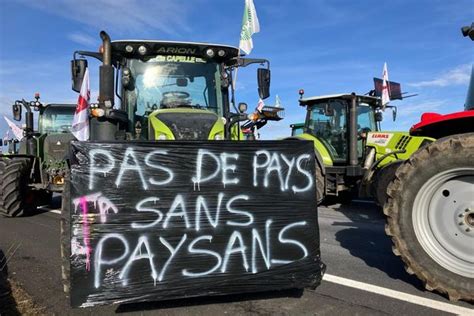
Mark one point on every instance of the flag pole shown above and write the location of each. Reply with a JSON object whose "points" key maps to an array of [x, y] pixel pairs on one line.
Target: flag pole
{"points": [[234, 80], [250, 26]]}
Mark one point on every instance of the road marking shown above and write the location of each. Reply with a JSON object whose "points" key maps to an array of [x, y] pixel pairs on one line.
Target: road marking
{"points": [[414, 299], [56, 211]]}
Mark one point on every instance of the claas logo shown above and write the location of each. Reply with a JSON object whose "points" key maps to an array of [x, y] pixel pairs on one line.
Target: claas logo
{"points": [[380, 135]]}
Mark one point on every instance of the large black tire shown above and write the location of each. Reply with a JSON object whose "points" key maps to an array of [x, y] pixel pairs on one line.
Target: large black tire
{"points": [[65, 236], [439, 173], [383, 178], [16, 198], [320, 183]]}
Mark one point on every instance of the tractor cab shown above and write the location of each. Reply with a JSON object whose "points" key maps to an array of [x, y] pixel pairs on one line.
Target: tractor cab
{"points": [[53, 126], [351, 149], [56, 118], [328, 119], [167, 90], [175, 91]]}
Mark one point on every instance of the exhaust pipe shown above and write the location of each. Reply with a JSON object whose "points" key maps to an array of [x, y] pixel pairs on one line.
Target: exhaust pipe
{"points": [[106, 73], [105, 128], [107, 48], [353, 159]]}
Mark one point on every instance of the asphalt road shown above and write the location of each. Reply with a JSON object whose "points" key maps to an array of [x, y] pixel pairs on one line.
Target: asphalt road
{"points": [[353, 245]]}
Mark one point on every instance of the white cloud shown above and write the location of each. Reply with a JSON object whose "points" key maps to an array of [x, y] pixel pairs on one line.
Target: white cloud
{"points": [[409, 113], [83, 39], [17, 67], [416, 108], [5, 105], [168, 16], [456, 76]]}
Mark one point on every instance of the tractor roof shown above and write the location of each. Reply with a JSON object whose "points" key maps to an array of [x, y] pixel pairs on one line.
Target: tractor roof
{"points": [[345, 96], [62, 105], [175, 47], [51, 107]]}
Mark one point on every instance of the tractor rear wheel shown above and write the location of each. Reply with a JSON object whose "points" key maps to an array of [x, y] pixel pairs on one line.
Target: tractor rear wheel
{"points": [[430, 215], [16, 198]]}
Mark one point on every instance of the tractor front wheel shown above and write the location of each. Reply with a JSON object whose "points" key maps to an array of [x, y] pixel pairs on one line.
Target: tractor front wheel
{"points": [[430, 215], [320, 182], [16, 198], [382, 179]]}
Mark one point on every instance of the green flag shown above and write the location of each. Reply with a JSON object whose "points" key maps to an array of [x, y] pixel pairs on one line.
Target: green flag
{"points": [[250, 26]]}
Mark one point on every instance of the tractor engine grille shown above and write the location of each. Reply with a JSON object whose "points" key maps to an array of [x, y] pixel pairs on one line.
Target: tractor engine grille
{"points": [[56, 146], [188, 126], [403, 142]]}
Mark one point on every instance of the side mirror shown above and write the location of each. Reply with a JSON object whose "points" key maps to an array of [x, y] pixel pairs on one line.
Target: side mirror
{"points": [[78, 69], [263, 79], [127, 79], [16, 109], [243, 107], [378, 117], [394, 113]]}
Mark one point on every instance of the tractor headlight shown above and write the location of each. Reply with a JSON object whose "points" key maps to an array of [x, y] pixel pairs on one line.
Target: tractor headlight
{"points": [[97, 112], [210, 52], [162, 137], [218, 137], [142, 50], [129, 48], [58, 180]]}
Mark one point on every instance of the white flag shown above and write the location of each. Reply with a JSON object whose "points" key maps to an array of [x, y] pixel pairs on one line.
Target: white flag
{"points": [[260, 105], [250, 26], [277, 101], [17, 130], [385, 87], [80, 122]]}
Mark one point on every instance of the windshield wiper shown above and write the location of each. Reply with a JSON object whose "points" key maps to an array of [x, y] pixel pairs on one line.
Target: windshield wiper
{"points": [[197, 106]]}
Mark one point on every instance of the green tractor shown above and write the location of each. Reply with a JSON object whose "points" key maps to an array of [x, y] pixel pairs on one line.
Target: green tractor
{"points": [[35, 167], [167, 90], [354, 156]]}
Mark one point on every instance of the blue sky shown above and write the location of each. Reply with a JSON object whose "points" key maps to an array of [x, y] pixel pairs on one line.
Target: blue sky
{"points": [[324, 47]]}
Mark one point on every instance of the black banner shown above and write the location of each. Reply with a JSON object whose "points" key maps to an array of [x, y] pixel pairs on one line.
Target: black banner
{"points": [[394, 89], [156, 221]]}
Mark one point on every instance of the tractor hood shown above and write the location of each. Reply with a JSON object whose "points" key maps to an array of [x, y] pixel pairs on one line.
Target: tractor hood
{"points": [[185, 124]]}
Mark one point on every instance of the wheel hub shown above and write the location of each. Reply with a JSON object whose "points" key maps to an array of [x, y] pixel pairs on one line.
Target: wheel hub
{"points": [[469, 218], [465, 219], [443, 219]]}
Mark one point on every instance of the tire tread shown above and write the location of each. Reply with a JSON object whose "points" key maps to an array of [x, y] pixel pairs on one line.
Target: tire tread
{"points": [[392, 210]]}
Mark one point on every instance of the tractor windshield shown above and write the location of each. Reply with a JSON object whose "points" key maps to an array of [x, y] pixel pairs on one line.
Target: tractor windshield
{"points": [[56, 119], [165, 82], [365, 118], [365, 123], [327, 121]]}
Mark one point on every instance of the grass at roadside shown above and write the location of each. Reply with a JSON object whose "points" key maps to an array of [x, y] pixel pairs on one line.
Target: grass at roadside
{"points": [[15, 301]]}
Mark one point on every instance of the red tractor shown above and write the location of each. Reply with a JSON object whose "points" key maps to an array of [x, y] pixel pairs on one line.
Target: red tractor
{"points": [[430, 207]]}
